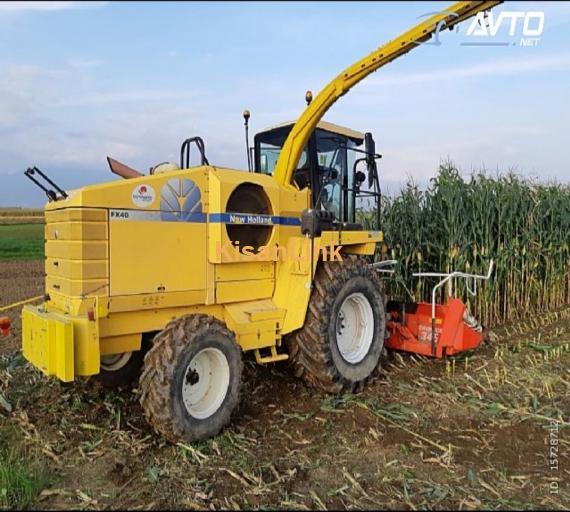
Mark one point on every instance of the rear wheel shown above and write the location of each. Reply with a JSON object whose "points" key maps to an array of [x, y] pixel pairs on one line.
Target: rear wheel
{"points": [[339, 347], [191, 379], [119, 370]]}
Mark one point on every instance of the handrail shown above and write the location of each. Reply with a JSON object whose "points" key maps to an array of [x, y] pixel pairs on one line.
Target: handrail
{"points": [[449, 278]]}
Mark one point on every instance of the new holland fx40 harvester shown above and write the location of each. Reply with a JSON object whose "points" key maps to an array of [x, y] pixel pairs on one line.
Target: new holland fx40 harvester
{"points": [[171, 276]]}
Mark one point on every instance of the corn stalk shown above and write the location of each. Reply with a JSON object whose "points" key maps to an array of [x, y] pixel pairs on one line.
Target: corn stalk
{"points": [[458, 224]]}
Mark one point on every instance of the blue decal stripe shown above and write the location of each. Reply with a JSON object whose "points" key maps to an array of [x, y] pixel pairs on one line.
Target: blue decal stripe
{"points": [[253, 219], [289, 221], [199, 217], [218, 217]]}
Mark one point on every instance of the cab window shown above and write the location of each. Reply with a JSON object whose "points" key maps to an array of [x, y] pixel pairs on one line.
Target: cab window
{"points": [[331, 165], [269, 154], [335, 162], [268, 147]]}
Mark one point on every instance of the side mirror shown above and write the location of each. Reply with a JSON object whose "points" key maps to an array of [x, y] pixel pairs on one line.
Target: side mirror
{"points": [[359, 178], [370, 148]]}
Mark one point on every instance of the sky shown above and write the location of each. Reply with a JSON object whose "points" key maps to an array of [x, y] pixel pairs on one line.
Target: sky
{"points": [[80, 81]]}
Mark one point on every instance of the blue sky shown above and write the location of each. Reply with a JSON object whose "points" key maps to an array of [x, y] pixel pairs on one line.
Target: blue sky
{"points": [[79, 82]]}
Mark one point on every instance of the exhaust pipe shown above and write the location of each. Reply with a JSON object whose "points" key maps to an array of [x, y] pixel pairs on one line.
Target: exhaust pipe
{"points": [[122, 170]]}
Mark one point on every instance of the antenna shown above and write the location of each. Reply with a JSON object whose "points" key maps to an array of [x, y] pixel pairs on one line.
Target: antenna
{"points": [[246, 116]]}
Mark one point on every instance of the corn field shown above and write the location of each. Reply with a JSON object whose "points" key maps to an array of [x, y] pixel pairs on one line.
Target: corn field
{"points": [[459, 224]]}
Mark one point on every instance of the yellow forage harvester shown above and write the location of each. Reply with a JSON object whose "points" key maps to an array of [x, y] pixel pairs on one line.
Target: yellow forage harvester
{"points": [[137, 286]]}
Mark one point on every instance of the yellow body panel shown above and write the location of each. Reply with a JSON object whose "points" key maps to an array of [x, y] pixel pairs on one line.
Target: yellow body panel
{"points": [[153, 301], [245, 271], [76, 231], [74, 287], [60, 345], [48, 343], [239, 291], [86, 346], [157, 256], [76, 250], [78, 269], [84, 214], [120, 344], [152, 320]]}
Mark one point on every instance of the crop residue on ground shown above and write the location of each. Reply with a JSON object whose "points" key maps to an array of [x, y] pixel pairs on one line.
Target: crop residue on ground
{"points": [[468, 432]]}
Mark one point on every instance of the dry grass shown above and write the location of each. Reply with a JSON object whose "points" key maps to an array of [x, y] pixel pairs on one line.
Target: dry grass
{"points": [[21, 215]]}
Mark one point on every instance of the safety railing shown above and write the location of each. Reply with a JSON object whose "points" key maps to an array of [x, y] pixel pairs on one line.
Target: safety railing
{"points": [[449, 277]]}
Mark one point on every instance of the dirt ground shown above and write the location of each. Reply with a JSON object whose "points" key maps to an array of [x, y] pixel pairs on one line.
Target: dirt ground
{"points": [[19, 280], [471, 432]]}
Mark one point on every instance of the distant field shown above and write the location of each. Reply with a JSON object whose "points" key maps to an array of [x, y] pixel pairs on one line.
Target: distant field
{"points": [[23, 241], [21, 215]]}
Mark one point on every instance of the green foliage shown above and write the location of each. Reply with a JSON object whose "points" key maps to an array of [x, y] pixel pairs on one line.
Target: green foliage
{"points": [[459, 224], [21, 241], [20, 483]]}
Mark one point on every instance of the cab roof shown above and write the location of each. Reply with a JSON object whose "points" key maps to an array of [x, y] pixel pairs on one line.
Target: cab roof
{"points": [[354, 135]]}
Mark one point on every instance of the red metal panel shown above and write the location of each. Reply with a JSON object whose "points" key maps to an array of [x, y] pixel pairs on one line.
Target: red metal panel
{"points": [[414, 334]]}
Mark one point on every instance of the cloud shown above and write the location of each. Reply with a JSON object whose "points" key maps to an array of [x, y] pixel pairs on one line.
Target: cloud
{"points": [[118, 97], [494, 68], [73, 124], [80, 63], [47, 6]]}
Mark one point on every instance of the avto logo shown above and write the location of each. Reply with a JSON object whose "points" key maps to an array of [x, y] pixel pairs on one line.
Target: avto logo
{"points": [[439, 27], [526, 26], [507, 28]]}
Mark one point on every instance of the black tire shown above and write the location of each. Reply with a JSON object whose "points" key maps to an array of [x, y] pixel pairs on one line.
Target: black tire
{"points": [[165, 374], [129, 372], [313, 349]]}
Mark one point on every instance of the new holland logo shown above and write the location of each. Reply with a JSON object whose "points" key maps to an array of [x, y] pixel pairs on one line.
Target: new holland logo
{"points": [[241, 218], [180, 200]]}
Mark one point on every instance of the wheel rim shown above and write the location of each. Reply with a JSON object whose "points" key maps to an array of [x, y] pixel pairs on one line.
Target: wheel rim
{"points": [[114, 362], [355, 328], [206, 382]]}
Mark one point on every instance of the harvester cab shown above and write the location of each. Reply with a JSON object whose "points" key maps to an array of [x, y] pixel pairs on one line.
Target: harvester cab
{"points": [[331, 166], [169, 277]]}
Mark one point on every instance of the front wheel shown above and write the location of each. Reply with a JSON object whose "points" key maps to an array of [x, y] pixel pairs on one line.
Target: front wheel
{"points": [[339, 347], [191, 379]]}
